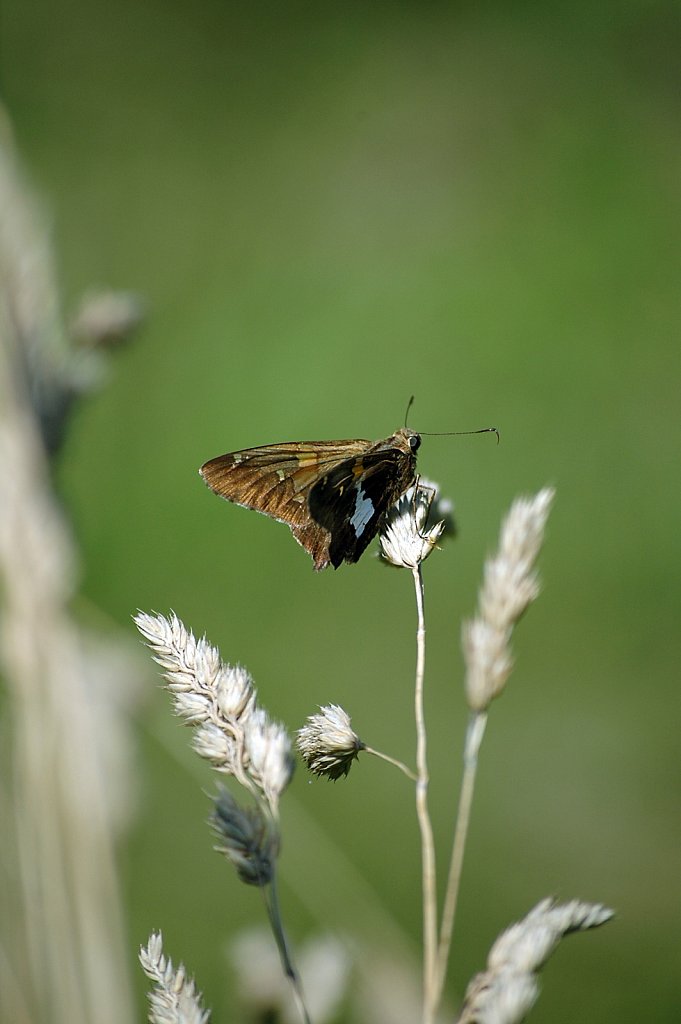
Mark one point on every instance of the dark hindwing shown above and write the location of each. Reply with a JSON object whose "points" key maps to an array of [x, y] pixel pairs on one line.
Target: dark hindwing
{"points": [[276, 480], [351, 500]]}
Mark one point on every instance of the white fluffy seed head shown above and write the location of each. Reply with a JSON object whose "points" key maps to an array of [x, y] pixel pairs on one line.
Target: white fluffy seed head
{"points": [[409, 535], [506, 990], [220, 702], [327, 742], [510, 584]]}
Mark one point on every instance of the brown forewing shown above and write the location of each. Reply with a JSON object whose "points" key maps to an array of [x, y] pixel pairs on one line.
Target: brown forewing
{"points": [[275, 480]]}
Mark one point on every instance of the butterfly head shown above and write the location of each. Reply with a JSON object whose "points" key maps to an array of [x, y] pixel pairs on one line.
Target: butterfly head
{"points": [[407, 439]]}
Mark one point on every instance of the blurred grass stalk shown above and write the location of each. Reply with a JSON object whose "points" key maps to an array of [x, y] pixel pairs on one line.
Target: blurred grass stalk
{"points": [[63, 957]]}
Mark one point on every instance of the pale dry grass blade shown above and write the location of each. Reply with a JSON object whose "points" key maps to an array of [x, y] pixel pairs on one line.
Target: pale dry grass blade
{"points": [[64, 932]]}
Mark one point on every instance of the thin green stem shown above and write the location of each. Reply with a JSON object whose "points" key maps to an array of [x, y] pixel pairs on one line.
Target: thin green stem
{"points": [[474, 734], [427, 846], [271, 898]]}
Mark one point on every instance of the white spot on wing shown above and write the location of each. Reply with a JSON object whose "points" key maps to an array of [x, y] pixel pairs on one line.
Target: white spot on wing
{"points": [[364, 510]]}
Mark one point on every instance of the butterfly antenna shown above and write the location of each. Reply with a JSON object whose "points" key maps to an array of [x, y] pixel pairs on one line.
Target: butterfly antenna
{"points": [[452, 433], [409, 405]]}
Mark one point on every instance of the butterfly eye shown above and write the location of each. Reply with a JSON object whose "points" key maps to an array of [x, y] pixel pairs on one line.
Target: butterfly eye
{"points": [[415, 442]]}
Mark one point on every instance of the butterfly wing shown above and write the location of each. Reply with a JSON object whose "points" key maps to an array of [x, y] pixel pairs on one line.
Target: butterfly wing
{"points": [[351, 500], [332, 494], [276, 480]]}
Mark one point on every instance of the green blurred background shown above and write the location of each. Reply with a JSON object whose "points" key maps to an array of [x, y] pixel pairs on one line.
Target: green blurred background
{"points": [[329, 208]]}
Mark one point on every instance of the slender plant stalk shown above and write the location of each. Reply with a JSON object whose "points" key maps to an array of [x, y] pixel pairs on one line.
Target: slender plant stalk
{"points": [[425, 827], [474, 734], [271, 896], [391, 760]]}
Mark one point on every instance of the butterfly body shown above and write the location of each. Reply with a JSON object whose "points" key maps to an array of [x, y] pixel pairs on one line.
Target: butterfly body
{"points": [[334, 495]]}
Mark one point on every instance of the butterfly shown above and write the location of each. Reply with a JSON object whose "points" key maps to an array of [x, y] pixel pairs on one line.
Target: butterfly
{"points": [[334, 495]]}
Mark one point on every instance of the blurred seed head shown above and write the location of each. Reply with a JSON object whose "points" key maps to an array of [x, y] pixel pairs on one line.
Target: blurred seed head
{"points": [[106, 318], [246, 837], [510, 584], [507, 989]]}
